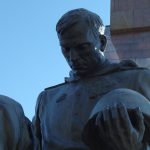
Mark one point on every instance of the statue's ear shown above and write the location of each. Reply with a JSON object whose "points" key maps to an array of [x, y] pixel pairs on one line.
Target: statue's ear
{"points": [[103, 41]]}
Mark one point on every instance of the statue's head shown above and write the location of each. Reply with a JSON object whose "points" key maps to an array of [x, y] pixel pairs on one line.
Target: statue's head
{"points": [[82, 40]]}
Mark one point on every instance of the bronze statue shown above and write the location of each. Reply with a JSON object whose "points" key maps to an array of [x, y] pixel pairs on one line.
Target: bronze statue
{"points": [[65, 116], [15, 129]]}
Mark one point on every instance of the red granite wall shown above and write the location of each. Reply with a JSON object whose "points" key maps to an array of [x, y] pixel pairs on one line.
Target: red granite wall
{"points": [[132, 45], [130, 29]]}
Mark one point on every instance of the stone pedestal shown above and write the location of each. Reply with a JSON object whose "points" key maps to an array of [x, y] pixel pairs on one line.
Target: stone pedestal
{"points": [[130, 30]]}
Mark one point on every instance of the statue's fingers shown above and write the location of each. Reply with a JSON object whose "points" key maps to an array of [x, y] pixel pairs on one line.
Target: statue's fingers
{"points": [[124, 117], [114, 118], [107, 120], [116, 135], [114, 112], [140, 123], [99, 123]]}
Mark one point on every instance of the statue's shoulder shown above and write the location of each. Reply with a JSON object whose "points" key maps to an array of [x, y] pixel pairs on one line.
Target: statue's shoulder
{"points": [[145, 73], [42, 98], [130, 65], [8, 102], [140, 72], [55, 86]]}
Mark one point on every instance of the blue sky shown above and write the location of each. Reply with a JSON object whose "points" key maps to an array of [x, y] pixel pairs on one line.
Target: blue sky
{"points": [[30, 56]]}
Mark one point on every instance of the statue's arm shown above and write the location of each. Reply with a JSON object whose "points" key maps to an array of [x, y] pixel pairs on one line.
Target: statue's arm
{"points": [[36, 124], [15, 128]]}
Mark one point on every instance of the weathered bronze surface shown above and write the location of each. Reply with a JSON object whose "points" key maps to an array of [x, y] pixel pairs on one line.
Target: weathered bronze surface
{"points": [[65, 117], [15, 128]]}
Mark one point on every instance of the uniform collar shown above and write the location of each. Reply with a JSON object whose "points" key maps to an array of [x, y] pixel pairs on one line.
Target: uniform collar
{"points": [[107, 68]]}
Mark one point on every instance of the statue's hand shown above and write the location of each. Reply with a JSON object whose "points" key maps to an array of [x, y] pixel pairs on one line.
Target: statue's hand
{"points": [[115, 127]]}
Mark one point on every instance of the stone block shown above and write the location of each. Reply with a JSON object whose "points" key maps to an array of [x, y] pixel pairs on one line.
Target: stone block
{"points": [[129, 14], [141, 4], [130, 28], [114, 5], [122, 20], [124, 5], [111, 55], [132, 45], [141, 18]]}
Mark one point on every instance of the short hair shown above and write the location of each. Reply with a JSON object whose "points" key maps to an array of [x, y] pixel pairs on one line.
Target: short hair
{"points": [[74, 16]]}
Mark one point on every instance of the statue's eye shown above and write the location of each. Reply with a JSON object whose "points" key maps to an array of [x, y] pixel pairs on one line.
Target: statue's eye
{"points": [[83, 46]]}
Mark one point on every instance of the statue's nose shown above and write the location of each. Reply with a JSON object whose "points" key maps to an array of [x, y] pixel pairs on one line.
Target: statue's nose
{"points": [[74, 55]]}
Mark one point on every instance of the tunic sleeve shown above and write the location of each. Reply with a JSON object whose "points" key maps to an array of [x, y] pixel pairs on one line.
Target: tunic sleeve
{"points": [[15, 130], [36, 123]]}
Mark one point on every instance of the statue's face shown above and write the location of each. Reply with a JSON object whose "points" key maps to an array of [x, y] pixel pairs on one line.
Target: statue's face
{"points": [[80, 48]]}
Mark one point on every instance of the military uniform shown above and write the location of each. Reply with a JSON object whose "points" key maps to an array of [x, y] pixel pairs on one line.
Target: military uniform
{"points": [[15, 129], [63, 110]]}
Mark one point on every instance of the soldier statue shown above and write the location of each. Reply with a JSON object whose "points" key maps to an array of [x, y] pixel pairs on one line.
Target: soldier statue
{"points": [[101, 105]]}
